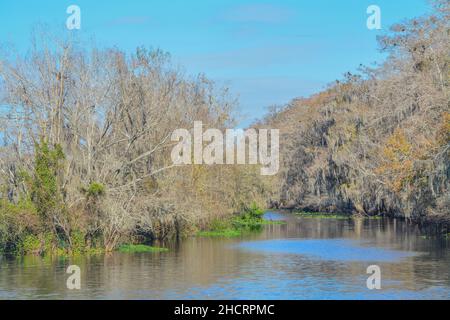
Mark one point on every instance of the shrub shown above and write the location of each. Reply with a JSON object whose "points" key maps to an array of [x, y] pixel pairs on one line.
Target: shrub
{"points": [[94, 190], [31, 245], [77, 242], [16, 222], [46, 193]]}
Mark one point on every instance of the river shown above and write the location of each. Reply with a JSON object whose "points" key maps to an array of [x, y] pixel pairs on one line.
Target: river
{"points": [[306, 258]]}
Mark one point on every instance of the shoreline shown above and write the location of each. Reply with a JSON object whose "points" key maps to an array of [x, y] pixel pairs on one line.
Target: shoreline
{"points": [[439, 226], [424, 221]]}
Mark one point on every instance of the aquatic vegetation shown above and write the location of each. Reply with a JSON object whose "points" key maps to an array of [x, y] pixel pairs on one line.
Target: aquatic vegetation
{"points": [[251, 219], [273, 222], [226, 233], [139, 248], [321, 215], [339, 216], [220, 228]]}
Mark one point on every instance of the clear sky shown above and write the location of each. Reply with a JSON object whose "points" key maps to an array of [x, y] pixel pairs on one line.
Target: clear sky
{"points": [[267, 52]]}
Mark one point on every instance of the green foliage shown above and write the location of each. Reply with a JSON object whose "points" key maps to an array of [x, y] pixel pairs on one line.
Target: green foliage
{"points": [[95, 190], [23, 206], [16, 222], [254, 211], [78, 242], [225, 233], [140, 248], [30, 245], [220, 228], [251, 219], [46, 193], [49, 243], [272, 222], [26, 226]]}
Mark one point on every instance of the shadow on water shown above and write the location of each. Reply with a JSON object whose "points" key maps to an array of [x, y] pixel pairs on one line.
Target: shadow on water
{"points": [[306, 258]]}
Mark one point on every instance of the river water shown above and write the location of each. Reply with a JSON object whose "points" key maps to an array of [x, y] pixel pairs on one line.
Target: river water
{"points": [[306, 258]]}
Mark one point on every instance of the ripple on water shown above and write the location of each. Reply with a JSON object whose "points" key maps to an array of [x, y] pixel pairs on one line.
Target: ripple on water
{"points": [[327, 249]]}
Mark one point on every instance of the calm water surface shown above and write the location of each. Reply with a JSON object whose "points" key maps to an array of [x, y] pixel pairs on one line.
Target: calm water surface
{"points": [[306, 258]]}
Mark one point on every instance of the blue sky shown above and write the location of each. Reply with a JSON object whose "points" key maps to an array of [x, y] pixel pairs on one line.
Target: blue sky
{"points": [[267, 52]]}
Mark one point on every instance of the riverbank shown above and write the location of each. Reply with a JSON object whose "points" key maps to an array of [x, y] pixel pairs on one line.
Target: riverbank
{"points": [[305, 258], [248, 220], [251, 220], [439, 223]]}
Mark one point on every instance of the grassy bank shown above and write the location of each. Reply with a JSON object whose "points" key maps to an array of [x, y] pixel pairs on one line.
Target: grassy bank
{"points": [[250, 220], [47, 245]]}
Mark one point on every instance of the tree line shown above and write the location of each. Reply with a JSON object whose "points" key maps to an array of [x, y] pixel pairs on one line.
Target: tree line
{"points": [[375, 142], [85, 160]]}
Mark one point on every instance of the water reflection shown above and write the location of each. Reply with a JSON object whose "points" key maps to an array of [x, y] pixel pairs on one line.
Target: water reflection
{"points": [[302, 259], [335, 249]]}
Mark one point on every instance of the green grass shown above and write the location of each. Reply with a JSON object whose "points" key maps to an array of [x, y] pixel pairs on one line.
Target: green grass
{"points": [[139, 248], [250, 220], [237, 230], [227, 233], [272, 222]]}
